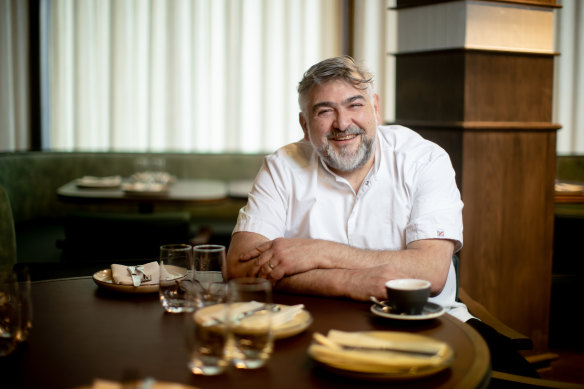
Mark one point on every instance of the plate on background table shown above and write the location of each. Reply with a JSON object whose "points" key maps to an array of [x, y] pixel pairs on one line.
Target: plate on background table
{"points": [[142, 189], [103, 279], [431, 311], [567, 188], [91, 182]]}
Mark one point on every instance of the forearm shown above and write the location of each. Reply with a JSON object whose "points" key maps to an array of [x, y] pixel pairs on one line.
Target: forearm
{"points": [[357, 284], [321, 282], [426, 259], [297, 264], [242, 242]]}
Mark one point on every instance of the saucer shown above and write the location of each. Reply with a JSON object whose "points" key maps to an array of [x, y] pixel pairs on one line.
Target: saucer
{"points": [[431, 311]]}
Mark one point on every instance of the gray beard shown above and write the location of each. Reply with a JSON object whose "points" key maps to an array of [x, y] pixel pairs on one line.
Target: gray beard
{"points": [[345, 161]]}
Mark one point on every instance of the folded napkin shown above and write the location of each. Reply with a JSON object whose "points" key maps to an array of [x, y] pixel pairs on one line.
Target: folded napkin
{"points": [[368, 353], [105, 384], [147, 274], [284, 314], [99, 181]]}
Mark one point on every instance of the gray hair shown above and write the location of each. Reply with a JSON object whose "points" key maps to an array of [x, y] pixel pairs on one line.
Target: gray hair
{"points": [[338, 68]]}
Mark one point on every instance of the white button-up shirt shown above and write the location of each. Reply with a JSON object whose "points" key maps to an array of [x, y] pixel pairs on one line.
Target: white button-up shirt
{"points": [[409, 194]]}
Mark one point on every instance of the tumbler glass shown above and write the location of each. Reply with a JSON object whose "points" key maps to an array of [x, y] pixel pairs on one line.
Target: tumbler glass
{"points": [[176, 278]]}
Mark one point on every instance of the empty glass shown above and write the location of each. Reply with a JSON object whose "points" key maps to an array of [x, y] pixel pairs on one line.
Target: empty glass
{"points": [[24, 303], [210, 271], [206, 333], [9, 312], [250, 322], [176, 278]]}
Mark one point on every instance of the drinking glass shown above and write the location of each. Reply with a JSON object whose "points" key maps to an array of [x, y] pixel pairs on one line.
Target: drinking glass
{"points": [[210, 271], [24, 303], [206, 333], [251, 334], [176, 277], [9, 312]]}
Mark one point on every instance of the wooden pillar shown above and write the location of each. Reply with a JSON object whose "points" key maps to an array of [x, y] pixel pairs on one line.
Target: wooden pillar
{"points": [[477, 78]]}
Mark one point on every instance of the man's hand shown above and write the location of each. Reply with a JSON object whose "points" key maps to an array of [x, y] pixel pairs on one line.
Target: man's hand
{"points": [[282, 257]]}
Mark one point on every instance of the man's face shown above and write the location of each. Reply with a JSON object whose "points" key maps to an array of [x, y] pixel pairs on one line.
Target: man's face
{"points": [[341, 121]]}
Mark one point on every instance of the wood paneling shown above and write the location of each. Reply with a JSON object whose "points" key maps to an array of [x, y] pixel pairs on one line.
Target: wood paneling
{"points": [[507, 188], [491, 111], [508, 87], [430, 86], [471, 85]]}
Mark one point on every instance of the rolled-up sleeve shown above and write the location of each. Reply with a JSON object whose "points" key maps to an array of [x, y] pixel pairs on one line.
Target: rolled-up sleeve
{"points": [[437, 206]]}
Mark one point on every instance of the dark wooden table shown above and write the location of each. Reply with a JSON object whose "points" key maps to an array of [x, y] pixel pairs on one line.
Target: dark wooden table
{"points": [[81, 332], [181, 191]]}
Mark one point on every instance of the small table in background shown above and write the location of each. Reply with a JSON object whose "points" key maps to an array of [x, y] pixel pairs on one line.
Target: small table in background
{"points": [[192, 191], [569, 192], [240, 189]]}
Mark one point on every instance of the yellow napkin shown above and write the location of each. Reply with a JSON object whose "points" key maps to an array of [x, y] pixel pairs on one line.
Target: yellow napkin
{"points": [[105, 384], [121, 274], [373, 353], [281, 317]]}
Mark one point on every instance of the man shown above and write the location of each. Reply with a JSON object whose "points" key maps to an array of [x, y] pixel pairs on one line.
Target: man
{"points": [[353, 204]]}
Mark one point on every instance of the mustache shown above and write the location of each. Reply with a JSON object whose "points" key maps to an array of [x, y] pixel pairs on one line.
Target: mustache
{"points": [[351, 130]]}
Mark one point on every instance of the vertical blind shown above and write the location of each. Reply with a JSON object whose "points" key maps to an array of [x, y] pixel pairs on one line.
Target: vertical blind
{"points": [[204, 75], [208, 75], [569, 77], [14, 106]]}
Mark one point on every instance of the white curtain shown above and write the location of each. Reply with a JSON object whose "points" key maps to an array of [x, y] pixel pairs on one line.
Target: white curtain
{"points": [[210, 75], [14, 96], [183, 75], [569, 77], [374, 42]]}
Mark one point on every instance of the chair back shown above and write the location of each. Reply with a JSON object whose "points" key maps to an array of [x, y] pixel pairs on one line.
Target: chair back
{"points": [[456, 263]]}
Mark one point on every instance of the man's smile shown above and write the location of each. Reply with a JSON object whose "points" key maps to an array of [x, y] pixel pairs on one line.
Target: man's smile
{"points": [[344, 137]]}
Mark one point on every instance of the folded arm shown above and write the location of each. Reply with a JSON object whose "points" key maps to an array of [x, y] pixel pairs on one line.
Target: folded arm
{"points": [[334, 269]]}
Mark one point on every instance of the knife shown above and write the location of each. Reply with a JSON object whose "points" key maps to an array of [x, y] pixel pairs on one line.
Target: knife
{"points": [[330, 343]]}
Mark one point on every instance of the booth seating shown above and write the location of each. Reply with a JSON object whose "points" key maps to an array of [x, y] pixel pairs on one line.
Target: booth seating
{"points": [[44, 226]]}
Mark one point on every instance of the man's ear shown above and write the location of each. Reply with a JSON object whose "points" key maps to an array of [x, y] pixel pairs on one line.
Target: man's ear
{"points": [[376, 107], [304, 125]]}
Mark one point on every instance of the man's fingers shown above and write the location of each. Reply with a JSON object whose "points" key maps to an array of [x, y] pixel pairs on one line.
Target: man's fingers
{"points": [[255, 252]]}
